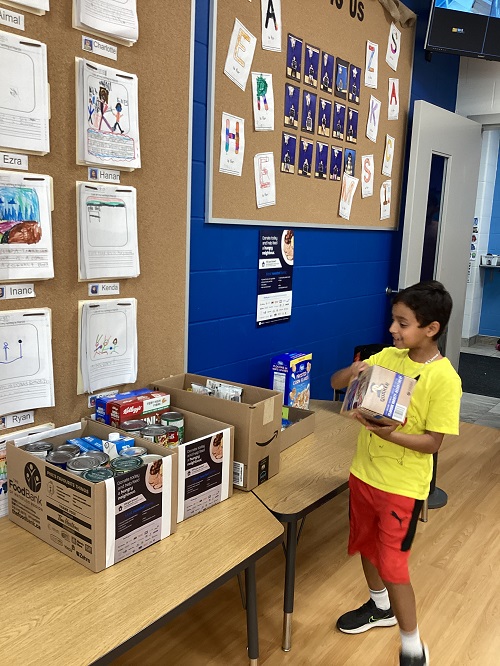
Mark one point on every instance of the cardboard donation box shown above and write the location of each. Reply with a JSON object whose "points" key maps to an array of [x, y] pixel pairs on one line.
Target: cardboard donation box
{"points": [[204, 464], [291, 374], [96, 524], [256, 420], [379, 394], [298, 423]]}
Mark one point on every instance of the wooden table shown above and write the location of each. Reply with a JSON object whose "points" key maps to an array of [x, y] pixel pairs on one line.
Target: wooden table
{"points": [[312, 472], [57, 612]]}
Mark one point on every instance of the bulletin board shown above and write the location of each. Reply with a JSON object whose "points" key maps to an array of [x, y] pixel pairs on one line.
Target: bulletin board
{"points": [[300, 201], [162, 61]]}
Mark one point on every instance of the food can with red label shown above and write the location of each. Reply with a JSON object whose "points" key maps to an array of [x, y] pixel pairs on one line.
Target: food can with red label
{"points": [[167, 436], [174, 419]]}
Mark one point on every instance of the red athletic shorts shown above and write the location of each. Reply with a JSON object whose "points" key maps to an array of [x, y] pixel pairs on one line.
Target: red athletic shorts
{"points": [[382, 527]]}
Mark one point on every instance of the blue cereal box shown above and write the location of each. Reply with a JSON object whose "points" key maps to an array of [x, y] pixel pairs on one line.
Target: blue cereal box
{"points": [[291, 374], [102, 412]]}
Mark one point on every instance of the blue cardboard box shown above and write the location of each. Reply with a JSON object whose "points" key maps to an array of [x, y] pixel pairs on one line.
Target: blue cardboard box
{"points": [[291, 374]]}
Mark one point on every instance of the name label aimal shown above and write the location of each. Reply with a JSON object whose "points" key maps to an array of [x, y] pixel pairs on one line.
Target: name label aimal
{"points": [[12, 19]]}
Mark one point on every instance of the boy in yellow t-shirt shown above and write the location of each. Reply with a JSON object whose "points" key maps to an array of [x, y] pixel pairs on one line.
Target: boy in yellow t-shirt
{"points": [[392, 467]]}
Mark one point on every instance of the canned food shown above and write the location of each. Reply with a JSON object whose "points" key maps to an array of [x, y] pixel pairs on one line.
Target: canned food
{"points": [[102, 457], [122, 464], [155, 433], [151, 457], [133, 451], [59, 458], [81, 464], [71, 448], [98, 474], [174, 419], [38, 449], [133, 427]]}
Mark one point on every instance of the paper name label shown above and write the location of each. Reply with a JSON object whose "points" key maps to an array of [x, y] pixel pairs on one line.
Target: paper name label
{"points": [[21, 418], [13, 161], [92, 45], [12, 19], [104, 175], [104, 288], [8, 291]]}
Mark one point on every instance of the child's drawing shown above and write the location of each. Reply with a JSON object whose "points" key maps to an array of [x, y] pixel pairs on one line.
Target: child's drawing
{"points": [[19, 215], [106, 222], [107, 335], [19, 351]]}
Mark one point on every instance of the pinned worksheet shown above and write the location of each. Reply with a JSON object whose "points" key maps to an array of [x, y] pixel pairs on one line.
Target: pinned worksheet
{"points": [[107, 231], [24, 95], [240, 55], [349, 185], [271, 24], [26, 372], [263, 102], [385, 200], [107, 344], [265, 185], [373, 119], [371, 65], [34, 6], [367, 175], [115, 19], [107, 116], [232, 144], [26, 204], [388, 155], [393, 47], [393, 108]]}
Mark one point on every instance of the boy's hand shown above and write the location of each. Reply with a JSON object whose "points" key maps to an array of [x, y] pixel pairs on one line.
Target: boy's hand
{"points": [[357, 367], [381, 430]]}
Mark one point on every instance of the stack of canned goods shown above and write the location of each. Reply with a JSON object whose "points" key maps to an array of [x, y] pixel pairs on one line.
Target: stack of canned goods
{"points": [[169, 434], [93, 466]]}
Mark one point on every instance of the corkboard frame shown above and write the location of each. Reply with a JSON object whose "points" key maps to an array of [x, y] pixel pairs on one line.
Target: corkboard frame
{"points": [[304, 202], [163, 59]]}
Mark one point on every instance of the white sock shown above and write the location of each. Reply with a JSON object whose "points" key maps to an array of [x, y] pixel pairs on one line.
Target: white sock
{"points": [[411, 645], [381, 598]]}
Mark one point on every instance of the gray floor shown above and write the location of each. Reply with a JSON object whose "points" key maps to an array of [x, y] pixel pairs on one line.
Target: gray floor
{"points": [[481, 409]]}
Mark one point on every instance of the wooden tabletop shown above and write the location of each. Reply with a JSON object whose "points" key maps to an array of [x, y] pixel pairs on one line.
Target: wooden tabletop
{"points": [[58, 612], [315, 468]]}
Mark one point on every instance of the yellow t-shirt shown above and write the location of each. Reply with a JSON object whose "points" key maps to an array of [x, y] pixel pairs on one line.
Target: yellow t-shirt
{"points": [[434, 406]]}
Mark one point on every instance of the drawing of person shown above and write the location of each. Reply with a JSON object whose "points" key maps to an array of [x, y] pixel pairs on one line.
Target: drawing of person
{"points": [[103, 106], [305, 167], [323, 123], [293, 65], [311, 73], [309, 122], [287, 161], [291, 114], [348, 165], [117, 114], [326, 80]]}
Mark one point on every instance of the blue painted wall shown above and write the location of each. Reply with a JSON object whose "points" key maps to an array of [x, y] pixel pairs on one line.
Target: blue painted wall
{"points": [[339, 279], [490, 309]]}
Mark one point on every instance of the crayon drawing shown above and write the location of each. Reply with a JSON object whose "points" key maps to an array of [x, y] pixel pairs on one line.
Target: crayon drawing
{"points": [[106, 222], [107, 335], [19, 216]]}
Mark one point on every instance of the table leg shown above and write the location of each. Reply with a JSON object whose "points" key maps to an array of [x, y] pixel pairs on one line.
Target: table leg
{"points": [[251, 608], [291, 551]]}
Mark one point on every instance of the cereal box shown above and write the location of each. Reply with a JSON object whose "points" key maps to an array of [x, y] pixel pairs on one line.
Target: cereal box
{"points": [[291, 374]]}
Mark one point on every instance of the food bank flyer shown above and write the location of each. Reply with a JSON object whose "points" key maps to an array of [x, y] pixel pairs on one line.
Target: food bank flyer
{"points": [[274, 288]]}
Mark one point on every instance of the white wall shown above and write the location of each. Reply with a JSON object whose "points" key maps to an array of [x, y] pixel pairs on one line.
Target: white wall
{"points": [[478, 95]]}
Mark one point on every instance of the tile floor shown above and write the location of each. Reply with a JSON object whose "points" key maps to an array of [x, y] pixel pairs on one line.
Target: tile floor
{"points": [[481, 409]]}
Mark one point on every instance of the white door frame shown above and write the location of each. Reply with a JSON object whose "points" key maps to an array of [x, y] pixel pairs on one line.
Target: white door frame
{"points": [[440, 132]]}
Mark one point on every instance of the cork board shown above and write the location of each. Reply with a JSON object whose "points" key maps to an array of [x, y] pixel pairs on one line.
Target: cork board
{"points": [[161, 59], [300, 201]]}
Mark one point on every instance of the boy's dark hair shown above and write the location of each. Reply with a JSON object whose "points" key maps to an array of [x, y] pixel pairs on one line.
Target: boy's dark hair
{"points": [[429, 301]]}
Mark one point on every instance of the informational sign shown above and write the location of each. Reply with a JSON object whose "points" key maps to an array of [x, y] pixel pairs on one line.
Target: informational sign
{"points": [[274, 289]]}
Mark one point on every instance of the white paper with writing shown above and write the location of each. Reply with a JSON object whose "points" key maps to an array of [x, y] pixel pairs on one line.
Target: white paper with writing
{"points": [[240, 55], [373, 119], [367, 175], [114, 18], [393, 47], [265, 185], [232, 144], [385, 200], [263, 102], [393, 108], [349, 185], [388, 155], [271, 24]]}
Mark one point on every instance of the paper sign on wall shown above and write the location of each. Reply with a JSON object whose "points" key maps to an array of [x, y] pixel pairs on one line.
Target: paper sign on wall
{"points": [[265, 186], [263, 101], [349, 185], [271, 24], [385, 200], [388, 155], [393, 108], [367, 175], [232, 144], [240, 55], [393, 47], [371, 67], [373, 119]]}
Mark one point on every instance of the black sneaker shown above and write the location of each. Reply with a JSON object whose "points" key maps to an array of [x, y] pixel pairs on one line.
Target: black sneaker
{"points": [[366, 617], [423, 660]]}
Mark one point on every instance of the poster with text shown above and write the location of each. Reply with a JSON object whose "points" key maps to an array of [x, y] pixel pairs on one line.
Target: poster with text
{"points": [[274, 288]]}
